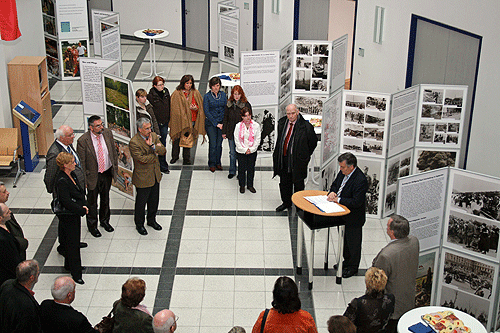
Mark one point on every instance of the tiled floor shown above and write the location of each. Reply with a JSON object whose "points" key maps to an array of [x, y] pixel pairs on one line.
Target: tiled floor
{"points": [[215, 261]]}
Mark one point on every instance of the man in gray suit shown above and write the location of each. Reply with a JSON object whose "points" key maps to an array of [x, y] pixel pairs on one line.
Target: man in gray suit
{"points": [[64, 137], [399, 260], [99, 158]]}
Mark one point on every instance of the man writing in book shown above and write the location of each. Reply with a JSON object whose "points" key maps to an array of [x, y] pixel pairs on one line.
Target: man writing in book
{"points": [[349, 189]]}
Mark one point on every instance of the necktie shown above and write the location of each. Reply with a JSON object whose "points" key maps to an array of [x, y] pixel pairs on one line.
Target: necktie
{"points": [[285, 146], [100, 156], [74, 155], [342, 185]]}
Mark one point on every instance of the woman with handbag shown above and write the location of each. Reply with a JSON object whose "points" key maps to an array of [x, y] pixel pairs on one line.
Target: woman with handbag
{"points": [[69, 207], [232, 115], [187, 119], [247, 138], [285, 315], [214, 103]]}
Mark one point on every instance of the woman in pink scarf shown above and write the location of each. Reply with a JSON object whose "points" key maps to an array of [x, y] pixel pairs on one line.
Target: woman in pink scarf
{"points": [[247, 139]]}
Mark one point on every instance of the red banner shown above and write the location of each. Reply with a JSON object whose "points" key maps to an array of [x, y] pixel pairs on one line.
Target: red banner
{"points": [[9, 28]]}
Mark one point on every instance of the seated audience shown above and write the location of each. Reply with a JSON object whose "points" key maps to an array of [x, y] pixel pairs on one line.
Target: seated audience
{"points": [[10, 255], [285, 315], [131, 316], [371, 312], [57, 315], [340, 324], [12, 225], [19, 310], [165, 321]]}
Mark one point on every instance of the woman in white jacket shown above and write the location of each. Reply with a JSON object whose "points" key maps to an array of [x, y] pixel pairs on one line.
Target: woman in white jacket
{"points": [[247, 140]]}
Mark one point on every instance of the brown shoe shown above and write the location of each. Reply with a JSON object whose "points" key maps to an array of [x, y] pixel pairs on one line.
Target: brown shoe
{"points": [[212, 169], [219, 167], [251, 189], [242, 189]]}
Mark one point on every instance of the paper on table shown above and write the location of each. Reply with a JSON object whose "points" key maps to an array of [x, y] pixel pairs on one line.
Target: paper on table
{"points": [[324, 205]]}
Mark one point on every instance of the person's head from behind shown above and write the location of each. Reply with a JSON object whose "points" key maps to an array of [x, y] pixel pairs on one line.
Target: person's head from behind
{"points": [[133, 292], [340, 324], [63, 289], [27, 273], [375, 280], [164, 322], [398, 227], [237, 329], [285, 296]]}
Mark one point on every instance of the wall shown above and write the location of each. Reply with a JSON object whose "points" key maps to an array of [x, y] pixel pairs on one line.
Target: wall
{"points": [[341, 23], [31, 43], [277, 29], [383, 68], [150, 14]]}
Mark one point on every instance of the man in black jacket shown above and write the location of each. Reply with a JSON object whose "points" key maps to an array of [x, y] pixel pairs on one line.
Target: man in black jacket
{"points": [[58, 316], [349, 189], [294, 146], [19, 310], [10, 255]]}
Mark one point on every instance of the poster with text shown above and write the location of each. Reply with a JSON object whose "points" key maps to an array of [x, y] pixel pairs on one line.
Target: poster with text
{"points": [[374, 170], [421, 200], [96, 16], [72, 19], [430, 159], [266, 117], [110, 43], [339, 61], [473, 216], [397, 166], [403, 120], [312, 67], [229, 37], [72, 51], [330, 124], [118, 103], [260, 77], [286, 58], [426, 278]]}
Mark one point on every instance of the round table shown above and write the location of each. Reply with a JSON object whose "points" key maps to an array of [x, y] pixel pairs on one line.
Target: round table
{"points": [[152, 53], [415, 316]]}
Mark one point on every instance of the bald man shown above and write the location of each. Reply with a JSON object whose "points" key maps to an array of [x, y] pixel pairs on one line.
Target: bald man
{"points": [[164, 322]]}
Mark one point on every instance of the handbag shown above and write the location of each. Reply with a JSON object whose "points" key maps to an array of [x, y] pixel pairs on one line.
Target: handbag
{"points": [[107, 323], [187, 139], [56, 206]]}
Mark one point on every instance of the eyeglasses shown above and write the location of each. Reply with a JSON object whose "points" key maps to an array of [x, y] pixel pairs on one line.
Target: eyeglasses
{"points": [[99, 125], [290, 113]]}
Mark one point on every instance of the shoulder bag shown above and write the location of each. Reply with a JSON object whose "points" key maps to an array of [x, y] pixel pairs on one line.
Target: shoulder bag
{"points": [[107, 323], [263, 324], [187, 139]]}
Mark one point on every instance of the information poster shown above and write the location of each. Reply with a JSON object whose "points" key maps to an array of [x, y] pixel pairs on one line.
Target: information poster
{"points": [[110, 43], [119, 103], [339, 61], [403, 120], [72, 19], [330, 123], [229, 37], [312, 67], [374, 169], [286, 57], [266, 117], [397, 166], [421, 199], [97, 15], [260, 77]]}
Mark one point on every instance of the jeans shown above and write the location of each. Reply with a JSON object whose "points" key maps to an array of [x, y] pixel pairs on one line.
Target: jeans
{"points": [[232, 157], [246, 169], [163, 140], [214, 145]]}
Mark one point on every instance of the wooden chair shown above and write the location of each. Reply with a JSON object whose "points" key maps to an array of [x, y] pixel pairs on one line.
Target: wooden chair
{"points": [[8, 151]]}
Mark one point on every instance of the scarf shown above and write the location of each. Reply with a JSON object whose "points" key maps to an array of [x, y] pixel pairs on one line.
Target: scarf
{"points": [[251, 135]]}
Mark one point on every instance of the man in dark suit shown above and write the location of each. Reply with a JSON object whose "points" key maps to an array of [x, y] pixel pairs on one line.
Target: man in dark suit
{"points": [[12, 226], [294, 146], [10, 255], [145, 147], [58, 316], [19, 310], [349, 189], [64, 137], [399, 260], [99, 161]]}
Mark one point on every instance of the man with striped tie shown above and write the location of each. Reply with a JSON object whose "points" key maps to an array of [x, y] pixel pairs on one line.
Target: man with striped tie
{"points": [[349, 189], [99, 160]]}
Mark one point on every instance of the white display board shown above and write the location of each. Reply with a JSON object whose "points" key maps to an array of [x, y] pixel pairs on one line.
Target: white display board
{"points": [[339, 62], [96, 16], [119, 103], [311, 108], [266, 117], [374, 170], [312, 67], [286, 68], [229, 36], [72, 19], [397, 166], [330, 123], [260, 77], [403, 120]]}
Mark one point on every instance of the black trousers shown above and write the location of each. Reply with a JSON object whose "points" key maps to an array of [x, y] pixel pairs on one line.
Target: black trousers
{"points": [[176, 149], [69, 237], [287, 186], [246, 168], [102, 190], [149, 196], [352, 247]]}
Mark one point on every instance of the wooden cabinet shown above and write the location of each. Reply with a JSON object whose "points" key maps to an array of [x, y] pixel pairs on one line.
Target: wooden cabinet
{"points": [[28, 82]]}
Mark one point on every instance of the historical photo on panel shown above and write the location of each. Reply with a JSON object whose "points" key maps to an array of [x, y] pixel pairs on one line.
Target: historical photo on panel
{"points": [[309, 104], [427, 160], [118, 121], [303, 49], [393, 171], [320, 49], [266, 117], [432, 111], [390, 201], [377, 103], [473, 305], [303, 62], [452, 113], [373, 147], [303, 79], [328, 175], [426, 132], [354, 117], [433, 96], [320, 67], [425, 274], [454, 97], [353, 145], [355, 102], [353, 130], [319, 85], [372, 170]]}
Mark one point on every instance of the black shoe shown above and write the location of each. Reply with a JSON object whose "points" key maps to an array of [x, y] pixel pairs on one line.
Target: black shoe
{"points": [[282, 207], [107, 227], [141, 229], [155, 226], [251, 189], [173, 160], [61, 251], [186, 162], [79, 281], [242, 189], [83, 245], [165, 171], [94, 232], [82, 268], [230, 176], [348, 272]]}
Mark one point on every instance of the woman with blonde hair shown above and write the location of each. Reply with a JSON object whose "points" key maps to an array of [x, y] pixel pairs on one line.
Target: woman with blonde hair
{"points": [[371, 312]]}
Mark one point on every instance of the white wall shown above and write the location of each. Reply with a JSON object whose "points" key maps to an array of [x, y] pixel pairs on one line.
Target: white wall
{"points": [[277, 29], [164, 14], [341, 23], [383, 68], [31, 43]]}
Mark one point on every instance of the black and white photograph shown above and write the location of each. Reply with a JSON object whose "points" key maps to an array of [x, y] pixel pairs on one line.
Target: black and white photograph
{"points": [[468, 275], [452, 139], [303, 62], [439, 137], [425, 278], [303, 79], [472, 233], [377, 103], [454, 97], [285, 78], [432, 111], [406, 160], [497, 326], [321, 49], [355, 101], [286, 53], [285, 89], [303, 49], [312, 105], [331, 128], [319, 85], [404, 172], [426, 132], [320, 67], [374, 119], [471, 304], [228, 52], [372, 147], [286, 65], [354, 117], [390, 202], [328, 175], [355, 131], [452, 113], [453, 127], [266, 117], [433, 96], [374, 133], [393, 171], [353, 145], [427, 160], [441, 127], [282, 108], [372, 169], [49, 25]]}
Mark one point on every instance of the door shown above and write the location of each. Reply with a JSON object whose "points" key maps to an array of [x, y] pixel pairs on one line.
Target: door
{"points": [[258, 7], [197, 26], [313, 20]]}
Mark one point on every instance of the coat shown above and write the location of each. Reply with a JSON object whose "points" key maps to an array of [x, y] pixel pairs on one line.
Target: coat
{"points": [[88, 156], [161, 106], [232, 116], [19, 310], [9, 254], [60, 318], [128, 320], [146, 164], [148, 113], [52, 169], [302, 144], [180, 115]]}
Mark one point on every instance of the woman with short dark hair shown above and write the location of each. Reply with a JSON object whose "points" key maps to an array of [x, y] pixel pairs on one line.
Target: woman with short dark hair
{"points": [[214, 104], [285, 315], [131, 316]]}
